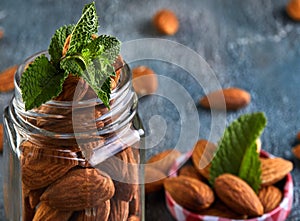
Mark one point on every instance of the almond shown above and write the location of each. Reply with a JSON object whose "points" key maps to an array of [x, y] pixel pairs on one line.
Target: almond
{"points": [[296, 151], [164, 160], [46, 213], [274, 170], [93, 214], [122, 167], [270, 197], [7, 79], [154, 179], [202, 156], [34, 197], [190, 193], [226, 99], [218, 208], [1, 33], [91, 186], [238, 195], [166, 22], [144, 80], [293, 9], [190, 171]]}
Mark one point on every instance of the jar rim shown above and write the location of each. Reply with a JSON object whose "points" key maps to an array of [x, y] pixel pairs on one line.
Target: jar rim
{"points": [[123, 84]]}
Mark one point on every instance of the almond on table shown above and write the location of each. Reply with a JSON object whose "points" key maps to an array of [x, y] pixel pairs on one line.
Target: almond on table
{"points": [[144, 80], [296, 151], [7, 79], [166, 22], [293, 9], [226, 99]]}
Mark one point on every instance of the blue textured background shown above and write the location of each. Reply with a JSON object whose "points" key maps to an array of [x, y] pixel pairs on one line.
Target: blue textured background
{"points": [[250, 44]]}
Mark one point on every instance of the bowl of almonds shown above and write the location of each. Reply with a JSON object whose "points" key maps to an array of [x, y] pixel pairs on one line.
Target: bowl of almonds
{"points": [[234, 180]]}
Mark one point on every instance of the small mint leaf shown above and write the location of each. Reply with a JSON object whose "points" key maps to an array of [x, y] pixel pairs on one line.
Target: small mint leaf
{"points": [[250, 169], [40, 82], [83, 30], [57, 43], [237, 141]]}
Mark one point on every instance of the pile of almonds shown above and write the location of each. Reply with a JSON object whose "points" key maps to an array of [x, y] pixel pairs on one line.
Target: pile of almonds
{"points": [[230, 197]]}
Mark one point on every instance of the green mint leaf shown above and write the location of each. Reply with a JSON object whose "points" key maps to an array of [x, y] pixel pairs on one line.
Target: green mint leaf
{"points": [[40, 82], [57, 43], [238, 141], [83, 30], [250, 169]]}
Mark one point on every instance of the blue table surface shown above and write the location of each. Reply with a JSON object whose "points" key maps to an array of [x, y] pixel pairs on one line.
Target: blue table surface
{"points": [[251, 44]]}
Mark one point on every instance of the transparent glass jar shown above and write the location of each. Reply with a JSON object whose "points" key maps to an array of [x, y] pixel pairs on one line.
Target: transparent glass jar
{"points": [[76, 159]]}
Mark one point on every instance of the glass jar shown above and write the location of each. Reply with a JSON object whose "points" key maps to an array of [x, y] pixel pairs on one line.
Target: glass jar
{"points": [[74, 159]]}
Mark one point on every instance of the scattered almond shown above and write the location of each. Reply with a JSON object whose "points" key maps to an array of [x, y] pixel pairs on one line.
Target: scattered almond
{"points": [[1, 33], [46, 213], [296, 151], [270, 197], [229, 99], [154, 179], [190, 171], [274, 170], [238, 195], [144, 80], [7, 79], [293, 9], [164, 160], [202, 156], [166, 22], [190, 193]]}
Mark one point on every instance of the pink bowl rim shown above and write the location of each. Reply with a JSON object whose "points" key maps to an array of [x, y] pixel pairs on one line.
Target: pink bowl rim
{"points": [[286, 203]]}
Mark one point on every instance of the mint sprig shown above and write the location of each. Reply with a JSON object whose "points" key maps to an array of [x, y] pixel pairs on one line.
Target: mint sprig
{"points": [[86, 57], [236, 153]]}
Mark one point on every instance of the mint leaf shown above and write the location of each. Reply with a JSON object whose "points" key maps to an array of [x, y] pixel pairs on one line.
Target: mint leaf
{"points": [[57, 43], [250, 169], [235, 147], [83, 30], [40, 82]]}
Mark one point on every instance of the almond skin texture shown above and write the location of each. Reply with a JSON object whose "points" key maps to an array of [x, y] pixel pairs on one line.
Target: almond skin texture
{"points": [[144, 80], [293, 9], [270, 197], [154, 179], [274, 170], [202, 156], [190, 171], [46, 213], [238, 195], [166, 22], [7, 79], [226, 99], [79, 189], [164, 160], [296, 151], [190, 193]]}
